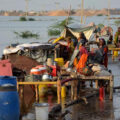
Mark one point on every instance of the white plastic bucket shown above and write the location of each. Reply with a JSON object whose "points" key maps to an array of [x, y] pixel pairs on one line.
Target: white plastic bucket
{"points": [[41, 111]]}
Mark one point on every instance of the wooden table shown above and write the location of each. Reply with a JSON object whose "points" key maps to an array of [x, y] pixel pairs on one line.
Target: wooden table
{"points": [[73, 85], [110, 79], [36, 87]]}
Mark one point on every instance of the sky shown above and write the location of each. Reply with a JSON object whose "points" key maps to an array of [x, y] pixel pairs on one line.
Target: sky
{"points": [[38, 5]]}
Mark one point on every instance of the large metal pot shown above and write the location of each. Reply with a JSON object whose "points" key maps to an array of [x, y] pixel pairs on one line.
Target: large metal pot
{"points": [[46, 77]]}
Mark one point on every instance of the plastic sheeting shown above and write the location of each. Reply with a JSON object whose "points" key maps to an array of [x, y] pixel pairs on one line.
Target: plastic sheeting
{"points": [[10, 50], [88, 31]]}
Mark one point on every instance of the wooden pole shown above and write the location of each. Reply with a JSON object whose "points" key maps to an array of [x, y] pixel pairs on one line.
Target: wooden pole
{"points": [[36, 92], [82, 11], [69, 13], [75, 89], [17, 87], [72, 90], [96, 84], [108, 10], [26, 8], [22, 91], [55, 54], [111, 87], [59, 90], [113, 55]]}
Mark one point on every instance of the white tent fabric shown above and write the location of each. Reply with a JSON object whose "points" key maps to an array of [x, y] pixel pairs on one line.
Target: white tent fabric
{"points": [[22, 47]]}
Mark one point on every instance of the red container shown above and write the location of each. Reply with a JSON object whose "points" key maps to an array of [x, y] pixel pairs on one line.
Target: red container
{"points": [[5, 68], [101, 94]]}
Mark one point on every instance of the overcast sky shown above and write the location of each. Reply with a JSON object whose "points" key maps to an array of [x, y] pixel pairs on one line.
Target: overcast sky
{"points": [[38, 5]]}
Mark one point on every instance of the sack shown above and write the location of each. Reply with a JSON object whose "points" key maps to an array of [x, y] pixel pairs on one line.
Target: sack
{"points": [[98, 67]]}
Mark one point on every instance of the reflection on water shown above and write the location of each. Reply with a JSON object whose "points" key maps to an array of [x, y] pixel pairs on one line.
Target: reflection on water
{"points": [[94, 110], [28, 99]]}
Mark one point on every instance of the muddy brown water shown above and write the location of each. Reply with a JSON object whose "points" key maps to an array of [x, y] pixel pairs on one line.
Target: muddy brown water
{"points": [[94, 110]]}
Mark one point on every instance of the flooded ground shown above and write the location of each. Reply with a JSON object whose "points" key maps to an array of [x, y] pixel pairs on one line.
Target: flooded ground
{"points": [[94, 110]]}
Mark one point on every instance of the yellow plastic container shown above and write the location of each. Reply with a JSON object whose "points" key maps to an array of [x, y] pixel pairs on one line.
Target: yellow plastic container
{"points": [[115, 53], [42, 90], [60, 61], [63, 92]]}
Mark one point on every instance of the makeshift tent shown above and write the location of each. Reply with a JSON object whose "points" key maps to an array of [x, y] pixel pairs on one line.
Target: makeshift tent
{"points": [[36, 51], [90, 31], [74, 30]]}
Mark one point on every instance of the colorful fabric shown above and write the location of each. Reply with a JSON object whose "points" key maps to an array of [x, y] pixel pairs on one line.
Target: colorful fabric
{"points": [[82, 62], [83, 58]]}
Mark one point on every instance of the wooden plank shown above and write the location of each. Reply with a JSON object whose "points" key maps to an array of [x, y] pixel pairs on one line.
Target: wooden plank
{"points": [[36, 83], [114, 49], [95, 77]]}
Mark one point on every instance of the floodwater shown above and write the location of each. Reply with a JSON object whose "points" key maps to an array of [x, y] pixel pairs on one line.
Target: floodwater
{"points": [[94, 110], [11, 24]]}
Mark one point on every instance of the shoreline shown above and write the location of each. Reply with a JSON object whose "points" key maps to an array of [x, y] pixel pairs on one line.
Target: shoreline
{"points": [[77, 12]]}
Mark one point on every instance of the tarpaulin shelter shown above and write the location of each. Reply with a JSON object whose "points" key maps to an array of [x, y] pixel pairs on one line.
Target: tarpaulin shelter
{"points": [[89, 30], [73, 30], [36, 51]]}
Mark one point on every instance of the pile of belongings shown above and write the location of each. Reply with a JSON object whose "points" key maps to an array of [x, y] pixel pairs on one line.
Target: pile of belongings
{"points": [[100, 70]]}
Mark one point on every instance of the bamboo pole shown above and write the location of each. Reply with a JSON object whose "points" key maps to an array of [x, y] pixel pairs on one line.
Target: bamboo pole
{"points": [[36, 92], [75, 89], [37, 83], [72, 90], [59, 90], [108, 10], [17, 87], [82, 10], [22, 91], [96, 84], [114, 49], [111, 87], [69, 13], [26, 8]]}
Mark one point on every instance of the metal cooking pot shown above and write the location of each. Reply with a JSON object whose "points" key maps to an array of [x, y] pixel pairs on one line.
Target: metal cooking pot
{"points": [[46, 77]]}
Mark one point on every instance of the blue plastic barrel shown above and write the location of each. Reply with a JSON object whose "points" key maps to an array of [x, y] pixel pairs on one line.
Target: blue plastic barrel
{"points": [[9, 99]]}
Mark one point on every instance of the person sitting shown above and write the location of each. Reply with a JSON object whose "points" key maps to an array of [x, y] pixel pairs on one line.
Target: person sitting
{"points": [[81, 37], [117, 38], [70, 46], [100, 55], [81, 59]]}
